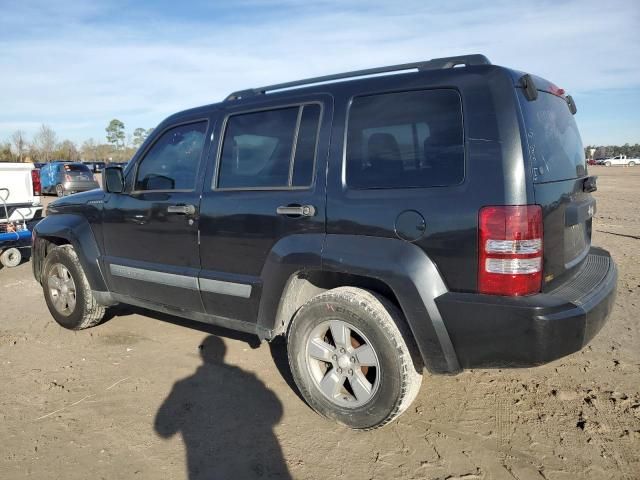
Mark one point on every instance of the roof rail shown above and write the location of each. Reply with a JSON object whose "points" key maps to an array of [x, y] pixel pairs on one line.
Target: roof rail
{"points": [[434, 64]]}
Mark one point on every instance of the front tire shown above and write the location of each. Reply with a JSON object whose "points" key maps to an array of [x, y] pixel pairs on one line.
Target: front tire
{"points": [[607, 164], [67, 291], [353, 358]]}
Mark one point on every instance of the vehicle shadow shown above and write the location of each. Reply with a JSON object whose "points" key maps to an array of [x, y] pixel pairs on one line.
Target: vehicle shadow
{"points": [[225, 416], [125, 310], [278, 350]]}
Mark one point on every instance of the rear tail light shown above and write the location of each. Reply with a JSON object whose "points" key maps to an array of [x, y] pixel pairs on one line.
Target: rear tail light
{"points": [[556, 90], [510, 250], [35, 182]]}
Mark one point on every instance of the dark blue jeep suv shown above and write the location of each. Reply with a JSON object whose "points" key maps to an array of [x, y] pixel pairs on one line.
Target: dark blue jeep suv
{"points": [[434, 215]]}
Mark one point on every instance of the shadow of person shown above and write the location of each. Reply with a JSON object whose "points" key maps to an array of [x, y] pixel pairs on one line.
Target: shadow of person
{"points": [[226, 418]]}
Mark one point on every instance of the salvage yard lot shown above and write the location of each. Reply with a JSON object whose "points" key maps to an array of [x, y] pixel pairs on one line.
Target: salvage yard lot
{"points": [[141, 396]]}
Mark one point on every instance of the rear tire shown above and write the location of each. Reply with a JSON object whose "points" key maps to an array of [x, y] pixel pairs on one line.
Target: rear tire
{"points": [[11, 257], [59, 190], [67, 291], [353, 358], [632, 164]]}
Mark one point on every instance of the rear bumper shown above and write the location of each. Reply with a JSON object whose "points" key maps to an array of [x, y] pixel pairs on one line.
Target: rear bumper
{"points": [[80, 186], [22, 212], [494, 331]]}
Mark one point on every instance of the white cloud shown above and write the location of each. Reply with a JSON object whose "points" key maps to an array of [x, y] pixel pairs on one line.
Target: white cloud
{"points": [[78, 65]]}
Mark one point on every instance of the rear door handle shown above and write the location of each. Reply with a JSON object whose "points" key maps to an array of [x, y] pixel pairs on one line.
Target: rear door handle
{"points": [[184, 209], [297, 210]]}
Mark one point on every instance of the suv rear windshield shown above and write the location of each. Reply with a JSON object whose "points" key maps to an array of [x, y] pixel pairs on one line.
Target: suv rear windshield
{"points": [[554, 143], [76, 169]]}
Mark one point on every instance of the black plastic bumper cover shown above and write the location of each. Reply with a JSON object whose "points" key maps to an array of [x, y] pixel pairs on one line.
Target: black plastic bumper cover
{"points": [[494, 331]]}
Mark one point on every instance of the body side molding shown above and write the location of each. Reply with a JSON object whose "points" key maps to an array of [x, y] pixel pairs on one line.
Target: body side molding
{"points": [[190, 282]]}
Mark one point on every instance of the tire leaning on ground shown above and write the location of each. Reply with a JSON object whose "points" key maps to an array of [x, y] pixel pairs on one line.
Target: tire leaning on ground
{"points": [[67, 291], [353, 358], [632, 164], [607, 164], [59, 190], [11, 257]]}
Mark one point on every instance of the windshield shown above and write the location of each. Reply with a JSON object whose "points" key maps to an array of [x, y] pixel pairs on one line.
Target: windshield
{"points": [[77, 169], [554, 144]]}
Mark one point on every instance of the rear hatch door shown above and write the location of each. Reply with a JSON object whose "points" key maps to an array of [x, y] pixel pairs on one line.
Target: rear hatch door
{"points": [[557, 163], [77, 173]]}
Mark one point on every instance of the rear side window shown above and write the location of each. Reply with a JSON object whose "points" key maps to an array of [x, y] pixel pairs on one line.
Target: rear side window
{"points": [[554, 143], [270, 149], [172, 162], [407, 139]]}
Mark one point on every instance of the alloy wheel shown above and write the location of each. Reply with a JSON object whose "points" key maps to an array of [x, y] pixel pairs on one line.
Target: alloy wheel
{"points": [[343, 363], [62, 289]]}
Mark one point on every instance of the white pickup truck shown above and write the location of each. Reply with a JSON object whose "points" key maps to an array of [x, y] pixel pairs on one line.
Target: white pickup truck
{"points": [[20, 190], [619, 160], [20, 209]]}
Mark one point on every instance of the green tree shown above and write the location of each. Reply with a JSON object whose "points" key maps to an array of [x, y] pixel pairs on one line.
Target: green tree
{"points": [[115, 133], [139, 136]]}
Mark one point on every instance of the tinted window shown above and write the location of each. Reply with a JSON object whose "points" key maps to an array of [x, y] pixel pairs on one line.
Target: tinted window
{"points": [[258, 148], [408, 139], [76, 168], [555, 147], [172, 163]]}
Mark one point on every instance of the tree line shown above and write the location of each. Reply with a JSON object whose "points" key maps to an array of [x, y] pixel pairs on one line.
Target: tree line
{"points": [[44, 146], [632, 151], [120, 146]]}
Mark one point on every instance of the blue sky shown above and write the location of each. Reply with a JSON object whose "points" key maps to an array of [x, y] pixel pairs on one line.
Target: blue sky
{"points": [[76, 65]]}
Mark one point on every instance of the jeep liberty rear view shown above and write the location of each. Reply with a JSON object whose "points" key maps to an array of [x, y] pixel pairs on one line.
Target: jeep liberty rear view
{"points": [[435, 219]]}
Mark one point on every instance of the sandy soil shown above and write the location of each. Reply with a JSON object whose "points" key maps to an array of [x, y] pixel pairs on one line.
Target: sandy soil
{"points": [[143, 397]]}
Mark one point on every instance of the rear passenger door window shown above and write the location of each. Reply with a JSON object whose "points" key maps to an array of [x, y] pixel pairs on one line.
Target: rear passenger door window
{"points": [[270, 149], [406, 139]]}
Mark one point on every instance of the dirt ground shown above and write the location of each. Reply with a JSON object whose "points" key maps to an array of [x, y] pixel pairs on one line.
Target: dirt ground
{"points": [[147, 396]]}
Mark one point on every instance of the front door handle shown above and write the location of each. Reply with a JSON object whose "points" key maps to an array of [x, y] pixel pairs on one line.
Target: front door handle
{"points": [[297, 210], [184, 209]]}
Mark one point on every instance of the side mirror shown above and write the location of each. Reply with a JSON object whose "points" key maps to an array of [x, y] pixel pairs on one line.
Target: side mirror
{"points": [[113, 180]]}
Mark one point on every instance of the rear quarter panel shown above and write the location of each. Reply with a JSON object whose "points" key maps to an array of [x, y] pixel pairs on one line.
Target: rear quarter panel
{"points": [[494, 172]]}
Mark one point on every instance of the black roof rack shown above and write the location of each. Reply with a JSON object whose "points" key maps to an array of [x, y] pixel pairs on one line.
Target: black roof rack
{"points": [[435, 64]]}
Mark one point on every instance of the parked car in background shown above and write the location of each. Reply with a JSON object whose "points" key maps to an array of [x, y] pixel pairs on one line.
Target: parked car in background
{"points": [[95, 167], [20, 209], [63, 178], [619, 160], [21, 182]]}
